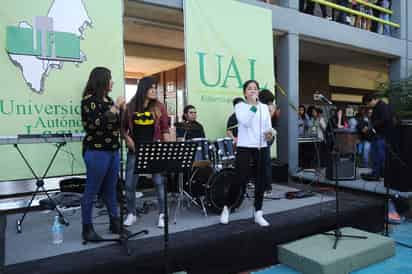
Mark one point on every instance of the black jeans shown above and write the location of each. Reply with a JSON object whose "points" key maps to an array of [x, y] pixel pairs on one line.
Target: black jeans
{"points": [[245, 170], [302, 5], [310, 9]]}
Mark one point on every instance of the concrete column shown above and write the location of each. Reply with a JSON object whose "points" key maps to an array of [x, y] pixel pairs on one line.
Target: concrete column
{"points": [[288, 78], [409, 35], [409, 20], [399, 16], [399, 69]]}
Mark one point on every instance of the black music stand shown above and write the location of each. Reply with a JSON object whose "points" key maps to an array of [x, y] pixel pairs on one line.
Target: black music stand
{"points": [[39, 184], [164, 157]]}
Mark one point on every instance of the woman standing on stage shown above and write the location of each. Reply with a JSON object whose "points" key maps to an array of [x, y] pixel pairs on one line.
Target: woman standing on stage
{"points": [[254, 131], [101, 122], [145, 120]]}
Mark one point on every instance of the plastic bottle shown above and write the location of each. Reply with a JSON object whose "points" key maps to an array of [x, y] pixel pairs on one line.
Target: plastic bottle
{"points": [[57, 231]]}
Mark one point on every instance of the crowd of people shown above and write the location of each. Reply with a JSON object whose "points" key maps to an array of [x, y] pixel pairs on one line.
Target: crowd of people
{"points": [[366, 122], [308, 6]]}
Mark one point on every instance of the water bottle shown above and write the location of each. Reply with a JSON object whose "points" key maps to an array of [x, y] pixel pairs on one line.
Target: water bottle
{"points": [[57, 231]]}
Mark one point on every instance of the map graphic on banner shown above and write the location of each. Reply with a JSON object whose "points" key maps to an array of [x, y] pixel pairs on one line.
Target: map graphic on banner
{"points": [[49, 42], [49, 48], [224, 47]]}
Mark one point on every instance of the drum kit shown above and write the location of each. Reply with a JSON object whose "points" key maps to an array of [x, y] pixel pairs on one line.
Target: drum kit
{"points": [[211, 176]]}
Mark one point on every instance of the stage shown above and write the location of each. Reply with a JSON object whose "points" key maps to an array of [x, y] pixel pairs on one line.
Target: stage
{"points": [[198, 244], [358, 184]]}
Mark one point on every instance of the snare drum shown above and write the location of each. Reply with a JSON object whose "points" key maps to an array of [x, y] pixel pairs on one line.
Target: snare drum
{"points": [[225, 149]]}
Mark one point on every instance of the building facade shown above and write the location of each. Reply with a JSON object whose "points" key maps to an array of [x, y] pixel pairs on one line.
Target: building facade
{"points": [[304, 44]]}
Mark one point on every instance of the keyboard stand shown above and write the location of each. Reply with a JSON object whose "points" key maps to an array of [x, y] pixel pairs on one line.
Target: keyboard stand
{"points": [[40, 186]]}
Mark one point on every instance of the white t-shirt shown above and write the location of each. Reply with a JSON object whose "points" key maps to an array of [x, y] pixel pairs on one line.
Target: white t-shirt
{"points": [[252, 125]]}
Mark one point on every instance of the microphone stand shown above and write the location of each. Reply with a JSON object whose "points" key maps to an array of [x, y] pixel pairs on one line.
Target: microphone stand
{"points": [[337, 233]]}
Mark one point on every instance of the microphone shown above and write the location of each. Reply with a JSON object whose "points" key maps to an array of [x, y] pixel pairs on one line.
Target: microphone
{"points": [[320, 97]]}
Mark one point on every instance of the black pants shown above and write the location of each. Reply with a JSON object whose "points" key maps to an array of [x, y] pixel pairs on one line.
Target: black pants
{"points": [[245, 170], [302, 5], [310, 9]]}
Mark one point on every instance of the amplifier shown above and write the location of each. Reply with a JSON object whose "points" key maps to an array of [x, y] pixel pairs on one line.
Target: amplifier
{"points": [[399, 158], [346, 165]]}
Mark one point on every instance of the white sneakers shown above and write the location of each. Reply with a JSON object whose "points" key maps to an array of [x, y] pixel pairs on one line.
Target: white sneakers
{"points": [[259, 218], [224, 217], [130, 219], [161, 222]]}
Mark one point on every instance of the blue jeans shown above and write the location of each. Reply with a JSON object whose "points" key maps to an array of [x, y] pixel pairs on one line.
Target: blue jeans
{"points": [[102, 168], [342, 15], [364, 149], [378, 156], [131, 183], [384, 28]]}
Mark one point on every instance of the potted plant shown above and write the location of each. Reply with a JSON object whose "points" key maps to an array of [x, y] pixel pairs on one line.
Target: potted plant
{"points": [[399, 94]]}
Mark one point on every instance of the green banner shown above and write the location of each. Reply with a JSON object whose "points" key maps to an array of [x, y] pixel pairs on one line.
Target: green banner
{"points": [[49, 49], [227, 43]]}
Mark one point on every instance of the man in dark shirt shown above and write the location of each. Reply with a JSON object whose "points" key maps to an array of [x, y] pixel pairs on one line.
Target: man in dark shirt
{"points": [[231, 125], [189, 128], [382, 122]]}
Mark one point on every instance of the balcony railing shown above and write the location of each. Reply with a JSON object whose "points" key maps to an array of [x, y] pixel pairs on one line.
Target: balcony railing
{"points": [[361, 14], [352, 12]]}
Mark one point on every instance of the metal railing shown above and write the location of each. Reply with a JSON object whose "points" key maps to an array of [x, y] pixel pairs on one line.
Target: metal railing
{"points": [[358, 13]]}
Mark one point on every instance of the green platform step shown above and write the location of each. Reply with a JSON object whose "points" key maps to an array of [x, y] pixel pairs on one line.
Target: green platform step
{"points": [[315, 255]]}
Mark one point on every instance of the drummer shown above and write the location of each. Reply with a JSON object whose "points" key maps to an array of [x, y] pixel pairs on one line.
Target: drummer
{"points": [[189, 128], [231, 125]]}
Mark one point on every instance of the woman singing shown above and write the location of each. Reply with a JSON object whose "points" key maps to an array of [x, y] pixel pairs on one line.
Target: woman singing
{"points": [[145, 120], [254, 131], [101, 122]]}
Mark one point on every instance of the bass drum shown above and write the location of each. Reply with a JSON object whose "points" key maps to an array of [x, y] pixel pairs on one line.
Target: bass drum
{"points": [[198, 180], [217, 189]]}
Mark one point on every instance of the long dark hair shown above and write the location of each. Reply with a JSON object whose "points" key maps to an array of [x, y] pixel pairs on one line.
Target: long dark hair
{"points": [[98, 83], [136, 104], [302, 116]]}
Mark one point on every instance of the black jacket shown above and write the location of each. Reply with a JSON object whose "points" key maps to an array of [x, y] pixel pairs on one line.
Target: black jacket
{"points": [[383, 119]]}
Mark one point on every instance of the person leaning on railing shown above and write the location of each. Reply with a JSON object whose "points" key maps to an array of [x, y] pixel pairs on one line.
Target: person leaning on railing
{"points": [[384, 28]]}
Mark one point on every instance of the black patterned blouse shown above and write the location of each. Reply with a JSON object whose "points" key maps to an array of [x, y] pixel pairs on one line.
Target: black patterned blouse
{"points": [[100, 124]]}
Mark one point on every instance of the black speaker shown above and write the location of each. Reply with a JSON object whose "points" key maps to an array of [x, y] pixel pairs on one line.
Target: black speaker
{"points": [[398, 165], [346, 165]]}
